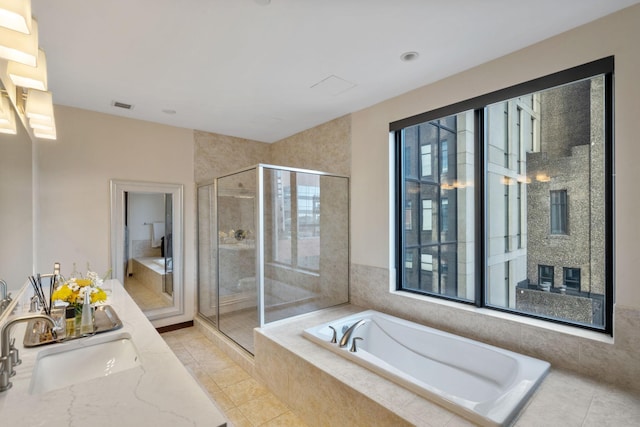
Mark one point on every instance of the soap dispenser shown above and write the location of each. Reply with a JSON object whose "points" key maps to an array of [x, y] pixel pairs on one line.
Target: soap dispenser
{"points": [[86, 324]]}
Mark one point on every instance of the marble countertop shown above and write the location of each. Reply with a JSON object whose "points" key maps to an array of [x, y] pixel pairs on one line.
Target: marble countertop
{"points": [[159, 392]]}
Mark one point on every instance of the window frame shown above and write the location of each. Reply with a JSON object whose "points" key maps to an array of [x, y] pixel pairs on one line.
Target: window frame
{"points": [[558, 213], [566, 280], [550, 276], [604, 67]]}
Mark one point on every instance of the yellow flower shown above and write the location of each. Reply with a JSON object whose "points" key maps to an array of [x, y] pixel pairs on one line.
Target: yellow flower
{"points": [[98, 296], [83, 282], [63, 293]]}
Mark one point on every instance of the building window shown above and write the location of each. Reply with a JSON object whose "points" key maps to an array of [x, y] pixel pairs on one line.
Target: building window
{"points": [[559, 212], [487, 242], [444, 214], [545, 276], [426, 160], [296, 212], [572, 278], [444, 156]]}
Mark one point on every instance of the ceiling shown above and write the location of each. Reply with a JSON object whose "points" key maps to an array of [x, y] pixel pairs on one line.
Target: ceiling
{"points": [[265, 70]]}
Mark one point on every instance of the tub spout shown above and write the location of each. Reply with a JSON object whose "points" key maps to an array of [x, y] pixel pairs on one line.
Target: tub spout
{"points": [[347, 335]]}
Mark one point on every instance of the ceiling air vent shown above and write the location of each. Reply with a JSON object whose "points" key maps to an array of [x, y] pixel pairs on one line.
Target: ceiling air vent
{"points": [[122, 105]]}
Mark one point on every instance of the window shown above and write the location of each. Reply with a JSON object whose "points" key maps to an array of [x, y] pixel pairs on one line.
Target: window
{"points": [[558, 203], [433, 242], [488, 180], [296, 212], [572, 278], [444, 158], [545, 277]]}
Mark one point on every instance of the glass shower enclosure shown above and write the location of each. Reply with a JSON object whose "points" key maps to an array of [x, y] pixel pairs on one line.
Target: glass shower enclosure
{"points": [[273, 242]]}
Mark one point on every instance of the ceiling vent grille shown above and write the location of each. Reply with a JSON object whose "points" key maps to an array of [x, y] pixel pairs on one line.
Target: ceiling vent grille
{"points": [[123, 105]]}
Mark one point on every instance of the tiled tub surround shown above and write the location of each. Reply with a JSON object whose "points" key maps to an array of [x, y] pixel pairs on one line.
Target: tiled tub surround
{"points": [[613, 361], [483, 383], [325, 389], [149, 271], [160, 392]]}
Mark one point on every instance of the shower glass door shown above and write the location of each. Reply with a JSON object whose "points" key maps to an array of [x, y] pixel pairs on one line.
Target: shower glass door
{"points": [[273, 243], [237, 284]]}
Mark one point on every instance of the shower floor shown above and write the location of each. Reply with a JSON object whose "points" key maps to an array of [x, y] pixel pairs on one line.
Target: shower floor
{"points": [[238, 325]]}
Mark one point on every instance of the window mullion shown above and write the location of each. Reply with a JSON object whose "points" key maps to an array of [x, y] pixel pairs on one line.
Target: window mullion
{"points": [[480, 210]]}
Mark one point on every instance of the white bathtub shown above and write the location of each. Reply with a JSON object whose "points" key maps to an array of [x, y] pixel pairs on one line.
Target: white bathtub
{"points": [[486, 384]]}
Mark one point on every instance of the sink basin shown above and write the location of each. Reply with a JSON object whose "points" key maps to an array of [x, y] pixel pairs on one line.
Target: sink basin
{"points": [[83, 360]]}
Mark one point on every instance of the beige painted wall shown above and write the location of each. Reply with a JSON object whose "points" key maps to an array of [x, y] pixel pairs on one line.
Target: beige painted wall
{"points": [[613, 35], [73, 187]]}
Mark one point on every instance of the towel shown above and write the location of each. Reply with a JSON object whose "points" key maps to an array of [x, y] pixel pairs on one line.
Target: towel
{"points": [[157, 230]]}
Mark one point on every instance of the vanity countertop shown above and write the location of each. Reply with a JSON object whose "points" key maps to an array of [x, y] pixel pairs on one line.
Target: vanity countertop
{"points": [[159, 392]]}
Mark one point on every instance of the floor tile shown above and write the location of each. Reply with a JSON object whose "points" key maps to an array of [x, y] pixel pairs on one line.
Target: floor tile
{"points": [[288, 419], [244, 401], [263, 409], [244, 391]]}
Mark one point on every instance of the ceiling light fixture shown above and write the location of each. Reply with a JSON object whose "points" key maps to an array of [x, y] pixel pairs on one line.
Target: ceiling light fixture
{"points": [[41, 125], [39, 111], [39, 105], [45, 134], [27, 76], [26, 67], [20, 47], [16, 15], [409, 56], [7, 116]]}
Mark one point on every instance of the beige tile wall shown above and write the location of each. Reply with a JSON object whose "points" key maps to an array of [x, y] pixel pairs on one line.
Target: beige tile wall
{"points": [[217, 155], [324, 148], [325, 389]]}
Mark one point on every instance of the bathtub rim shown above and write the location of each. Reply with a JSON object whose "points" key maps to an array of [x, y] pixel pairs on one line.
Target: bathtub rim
{"points": [[500, 418]]}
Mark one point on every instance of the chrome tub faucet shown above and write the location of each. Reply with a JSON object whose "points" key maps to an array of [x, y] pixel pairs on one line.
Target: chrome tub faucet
{"points": [[347, 335]]}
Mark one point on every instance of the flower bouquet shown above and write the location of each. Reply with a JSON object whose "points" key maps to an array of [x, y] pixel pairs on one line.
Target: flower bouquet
{"points": [[73, 291]]}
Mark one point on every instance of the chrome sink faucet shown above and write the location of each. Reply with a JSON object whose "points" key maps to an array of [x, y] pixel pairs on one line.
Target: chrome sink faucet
{"points": [[5, 298], [347, 334], [9, 354], [3, 294]]}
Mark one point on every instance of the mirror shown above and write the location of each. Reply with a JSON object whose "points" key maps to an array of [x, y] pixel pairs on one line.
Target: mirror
{"points": [[16, 206], [146, 245]]}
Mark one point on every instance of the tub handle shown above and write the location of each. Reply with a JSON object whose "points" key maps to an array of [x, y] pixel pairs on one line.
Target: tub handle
{"points": [[334, 339], [353, 348]]}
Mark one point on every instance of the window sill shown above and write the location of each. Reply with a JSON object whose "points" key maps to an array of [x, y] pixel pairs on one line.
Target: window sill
{"points": [[513, 318]]}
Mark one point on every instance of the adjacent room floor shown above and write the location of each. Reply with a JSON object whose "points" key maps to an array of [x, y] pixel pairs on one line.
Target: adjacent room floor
{"points": [[143, 296], [244, 401]]}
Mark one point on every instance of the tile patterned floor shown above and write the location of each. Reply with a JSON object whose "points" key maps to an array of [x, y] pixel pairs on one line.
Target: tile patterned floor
{"points": [[145, 298], [244, 401]]}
